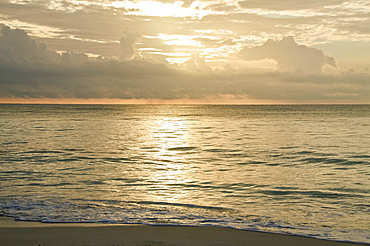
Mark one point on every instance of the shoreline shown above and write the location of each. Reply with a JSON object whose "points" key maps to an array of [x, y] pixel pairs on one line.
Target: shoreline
{"points": [[23, 233]]}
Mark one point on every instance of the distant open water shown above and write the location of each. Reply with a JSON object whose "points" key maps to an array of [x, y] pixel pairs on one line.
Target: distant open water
{"points": [[290, 169]]}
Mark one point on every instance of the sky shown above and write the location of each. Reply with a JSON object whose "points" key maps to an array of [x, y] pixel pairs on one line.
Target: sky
{"points": [[167, 51]]}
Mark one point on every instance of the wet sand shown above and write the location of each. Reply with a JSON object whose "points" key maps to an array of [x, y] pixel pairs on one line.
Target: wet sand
{"points": [[15, 233]]}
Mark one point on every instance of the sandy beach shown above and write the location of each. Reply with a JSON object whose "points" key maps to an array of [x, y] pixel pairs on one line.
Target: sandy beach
{"points": [[15, 233]]}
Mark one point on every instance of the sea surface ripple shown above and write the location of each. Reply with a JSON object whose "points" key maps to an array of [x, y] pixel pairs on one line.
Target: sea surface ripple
{"points": [[291, 169]]}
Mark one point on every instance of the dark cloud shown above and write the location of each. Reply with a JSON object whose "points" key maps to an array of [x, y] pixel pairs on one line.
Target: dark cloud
{"points": [[288, 4], [71, 29], [290, 56], [145, 80], [74, 57], [17, 47]]}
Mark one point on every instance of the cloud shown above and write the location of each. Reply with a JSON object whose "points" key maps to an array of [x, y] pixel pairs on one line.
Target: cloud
{"points": [[350, 54], [144, 80], [290, 56], [127, 43], [16, 47], [197, 63], [222, 7], [35, 71], [325, 19], [74, 57], [361, 26], [288, 4], [187, 3]]}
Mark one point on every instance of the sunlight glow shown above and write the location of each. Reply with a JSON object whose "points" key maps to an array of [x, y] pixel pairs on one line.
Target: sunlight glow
{"points": [[177, 60], [175, 57], [175, 39]]}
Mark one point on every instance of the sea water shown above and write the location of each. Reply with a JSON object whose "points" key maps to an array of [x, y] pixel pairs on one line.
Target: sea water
{"points": [[289, 169]]}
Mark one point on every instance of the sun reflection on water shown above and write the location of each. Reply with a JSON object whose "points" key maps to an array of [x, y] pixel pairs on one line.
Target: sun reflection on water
{"points": [[169, 137]]}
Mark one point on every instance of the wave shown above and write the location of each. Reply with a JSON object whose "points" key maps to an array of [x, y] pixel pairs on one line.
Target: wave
{"points": [[159, 213]]}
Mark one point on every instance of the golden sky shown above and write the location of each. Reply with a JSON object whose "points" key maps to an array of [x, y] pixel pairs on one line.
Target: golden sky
{"points": [[165, 51]]}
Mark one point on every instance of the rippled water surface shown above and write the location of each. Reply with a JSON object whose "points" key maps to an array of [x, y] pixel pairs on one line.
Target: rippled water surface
{"points": [[287, 169]]}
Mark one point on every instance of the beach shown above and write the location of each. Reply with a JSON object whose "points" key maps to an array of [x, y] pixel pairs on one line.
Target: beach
{"points": [[15, 233]]}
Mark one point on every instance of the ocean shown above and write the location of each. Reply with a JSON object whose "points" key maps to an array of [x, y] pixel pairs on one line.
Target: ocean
{"points": [[288, 169]]}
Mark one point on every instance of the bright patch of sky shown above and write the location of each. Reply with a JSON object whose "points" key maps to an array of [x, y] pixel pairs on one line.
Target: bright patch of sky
{"points": [[182, 40]]}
